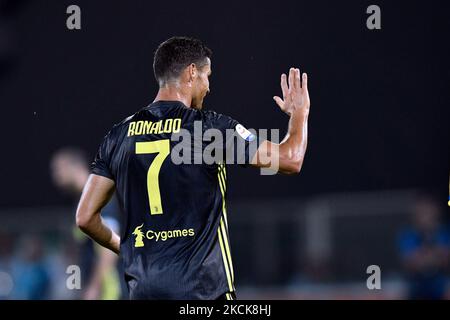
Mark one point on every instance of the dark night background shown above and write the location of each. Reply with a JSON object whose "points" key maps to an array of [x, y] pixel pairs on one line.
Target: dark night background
{"points": [[379, 113]]}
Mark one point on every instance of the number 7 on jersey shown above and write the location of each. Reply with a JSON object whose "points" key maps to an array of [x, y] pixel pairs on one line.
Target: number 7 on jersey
{"points": [[162, 148]]}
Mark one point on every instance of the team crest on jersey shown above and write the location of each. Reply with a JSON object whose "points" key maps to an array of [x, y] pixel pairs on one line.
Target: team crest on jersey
{"points": [[244, 133]]}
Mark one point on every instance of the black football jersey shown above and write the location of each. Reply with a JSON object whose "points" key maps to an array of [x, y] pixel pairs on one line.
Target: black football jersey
{"points": [[174, 241]]}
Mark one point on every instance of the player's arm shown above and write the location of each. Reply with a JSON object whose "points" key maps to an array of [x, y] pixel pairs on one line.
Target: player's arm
{"points": [[105, 261], [96, 194], [291, 151]]}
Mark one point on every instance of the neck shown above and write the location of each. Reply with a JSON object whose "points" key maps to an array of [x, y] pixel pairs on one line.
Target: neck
{"points": [[174, 93]]}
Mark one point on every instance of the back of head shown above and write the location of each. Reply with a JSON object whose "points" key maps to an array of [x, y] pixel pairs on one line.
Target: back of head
{"points": [[175, 54]]}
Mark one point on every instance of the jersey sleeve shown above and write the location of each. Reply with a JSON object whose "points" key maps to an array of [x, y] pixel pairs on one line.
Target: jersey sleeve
{"points": [[102, 162], [239, 144]]}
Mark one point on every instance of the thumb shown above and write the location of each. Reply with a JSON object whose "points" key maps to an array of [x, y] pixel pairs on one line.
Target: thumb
{"points": [[279, 101]]}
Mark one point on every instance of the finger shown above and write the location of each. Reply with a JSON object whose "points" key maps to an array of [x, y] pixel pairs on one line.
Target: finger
{"points": [[279, 101], [284, 86], [297, 81], [305, 82], [291, 78]]}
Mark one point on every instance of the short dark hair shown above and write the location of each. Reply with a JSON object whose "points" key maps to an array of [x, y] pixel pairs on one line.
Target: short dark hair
{"points": [[175, 54]]}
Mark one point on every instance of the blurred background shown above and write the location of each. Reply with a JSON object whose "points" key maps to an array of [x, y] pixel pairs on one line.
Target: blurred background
{"points": [[374, 186]]}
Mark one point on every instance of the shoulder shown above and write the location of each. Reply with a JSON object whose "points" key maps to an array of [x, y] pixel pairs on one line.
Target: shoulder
{"points": [[118, 127], [218, 120]]}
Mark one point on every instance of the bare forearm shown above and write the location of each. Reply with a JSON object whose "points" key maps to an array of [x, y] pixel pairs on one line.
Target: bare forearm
{"points": [[287, 157], [100, 233], [96, 194], [294, 144]]}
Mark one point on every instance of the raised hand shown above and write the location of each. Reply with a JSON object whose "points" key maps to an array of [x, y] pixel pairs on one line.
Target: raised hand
{"points": [[295, 93]]}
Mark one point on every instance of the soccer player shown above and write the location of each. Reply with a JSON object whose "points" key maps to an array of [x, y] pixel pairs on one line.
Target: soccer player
{"points": [[175, 244]]}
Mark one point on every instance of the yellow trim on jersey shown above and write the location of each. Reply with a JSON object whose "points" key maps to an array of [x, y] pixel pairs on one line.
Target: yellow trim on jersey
{"points": [[227, 249], [222, 184], [224, 170], [224, 227], [227, 271]]}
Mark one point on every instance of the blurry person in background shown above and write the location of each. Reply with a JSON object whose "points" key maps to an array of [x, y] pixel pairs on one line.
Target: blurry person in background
{"points": [[30, 274], [424, 249], [100, 278]]}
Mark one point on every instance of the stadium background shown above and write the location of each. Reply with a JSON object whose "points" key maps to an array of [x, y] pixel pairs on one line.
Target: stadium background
{"points": [[379, 131]]}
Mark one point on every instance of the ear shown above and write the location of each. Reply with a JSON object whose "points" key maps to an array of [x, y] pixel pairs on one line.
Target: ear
{"points": [[192, 71]]}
